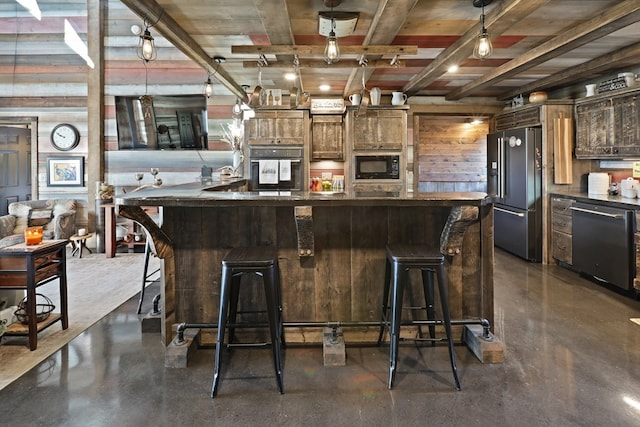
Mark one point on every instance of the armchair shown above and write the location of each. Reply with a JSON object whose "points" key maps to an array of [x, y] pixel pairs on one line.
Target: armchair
{"points": [[57, 216]]}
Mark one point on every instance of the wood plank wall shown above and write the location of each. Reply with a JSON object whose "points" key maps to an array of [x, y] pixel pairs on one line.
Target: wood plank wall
{"points": [[41, 78], [450, 154]]}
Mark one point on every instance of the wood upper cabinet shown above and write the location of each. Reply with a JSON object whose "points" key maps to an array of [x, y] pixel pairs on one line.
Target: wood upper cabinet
{"points": [[608, 126], [382, 129], [275, 127], [626, 120], [327, 142], [594, 129]]}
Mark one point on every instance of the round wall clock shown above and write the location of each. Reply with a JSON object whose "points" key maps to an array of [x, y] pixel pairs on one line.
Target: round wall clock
{"points": [[65, 137]]}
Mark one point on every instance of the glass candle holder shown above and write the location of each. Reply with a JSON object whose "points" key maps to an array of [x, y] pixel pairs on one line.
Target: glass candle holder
{"points": [[33, 235]]}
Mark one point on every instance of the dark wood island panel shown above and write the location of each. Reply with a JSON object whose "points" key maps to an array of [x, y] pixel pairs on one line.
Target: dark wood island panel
{"points": [[341, 282]]}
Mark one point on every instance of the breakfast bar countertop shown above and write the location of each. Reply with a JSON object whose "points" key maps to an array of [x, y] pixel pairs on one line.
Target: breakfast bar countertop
{"points": [[217, 194]]}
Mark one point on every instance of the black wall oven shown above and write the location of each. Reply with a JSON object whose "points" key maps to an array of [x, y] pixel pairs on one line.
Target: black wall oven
{"points": [[377, 166], [276, 168]]}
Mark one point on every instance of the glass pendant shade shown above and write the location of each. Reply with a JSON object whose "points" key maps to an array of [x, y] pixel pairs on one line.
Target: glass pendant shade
{"points": [[146, 102], [332, 50], [483, 48], [236, 108], [208, 88], [146, 47]]}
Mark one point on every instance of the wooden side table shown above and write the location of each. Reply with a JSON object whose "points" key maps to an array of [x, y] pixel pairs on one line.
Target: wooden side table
{"points": [[29, 267], [79, 242]]}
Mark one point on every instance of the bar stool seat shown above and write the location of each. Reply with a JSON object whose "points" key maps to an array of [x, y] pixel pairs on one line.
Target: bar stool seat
{"points": [[430, 260], [263, 262]]}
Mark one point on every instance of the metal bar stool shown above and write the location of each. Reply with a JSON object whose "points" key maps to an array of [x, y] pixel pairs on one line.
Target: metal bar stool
{"points": [[400, 259], [263, 262], [146, 275]]}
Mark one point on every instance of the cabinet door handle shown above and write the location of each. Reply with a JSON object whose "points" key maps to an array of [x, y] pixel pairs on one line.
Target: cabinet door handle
{"points": [[608, 215]]}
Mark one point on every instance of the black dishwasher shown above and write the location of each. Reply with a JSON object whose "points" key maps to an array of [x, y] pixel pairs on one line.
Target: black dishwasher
{"points": [[603, 243]]}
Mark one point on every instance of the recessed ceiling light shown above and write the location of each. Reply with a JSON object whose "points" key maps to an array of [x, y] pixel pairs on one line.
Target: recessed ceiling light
{"points": [[290, 76], [452, 69], [324, 88]]}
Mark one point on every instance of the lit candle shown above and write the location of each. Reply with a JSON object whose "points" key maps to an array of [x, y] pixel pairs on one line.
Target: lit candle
{"points": [[33, 235]]}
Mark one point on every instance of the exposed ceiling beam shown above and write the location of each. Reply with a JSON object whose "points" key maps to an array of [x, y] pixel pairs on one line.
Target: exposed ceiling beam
{"points": [[177, 36], [278, 30], [319, 50], [500, 19], [627, 56], [613, 19], [348, 63], [385, 25]]}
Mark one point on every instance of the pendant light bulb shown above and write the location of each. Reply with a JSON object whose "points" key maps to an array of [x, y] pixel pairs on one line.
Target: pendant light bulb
{"points": [[332, 50], [208, 87], [483, 47], [147, 49], [236, 108]]}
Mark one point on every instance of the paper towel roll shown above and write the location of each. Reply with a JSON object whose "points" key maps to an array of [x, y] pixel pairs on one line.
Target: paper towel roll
{"points": [[629, 188], [598, 183]]}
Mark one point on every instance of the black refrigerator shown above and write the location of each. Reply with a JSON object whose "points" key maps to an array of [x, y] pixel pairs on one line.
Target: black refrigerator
{"points": [[514, 182]]}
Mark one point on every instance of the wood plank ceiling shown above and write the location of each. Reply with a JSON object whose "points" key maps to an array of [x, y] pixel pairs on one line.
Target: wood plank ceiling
{"points": [[538, 45]]}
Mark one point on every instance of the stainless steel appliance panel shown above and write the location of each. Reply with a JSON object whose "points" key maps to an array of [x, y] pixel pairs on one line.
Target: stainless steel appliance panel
{"points": [[603, 243], [514, 181], [518, 232]]}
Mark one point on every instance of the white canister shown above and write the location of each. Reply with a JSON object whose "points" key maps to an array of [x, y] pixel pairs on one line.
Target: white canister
{"points": [[375, 96], [629, 188], [598, 183]]}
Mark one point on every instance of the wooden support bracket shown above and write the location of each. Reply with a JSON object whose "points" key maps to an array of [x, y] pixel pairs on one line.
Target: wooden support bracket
{"points": [[304, 228], [486, 350]]}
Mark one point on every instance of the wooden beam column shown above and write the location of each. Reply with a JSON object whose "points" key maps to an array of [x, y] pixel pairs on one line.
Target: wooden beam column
{"points": [[96, 16]]}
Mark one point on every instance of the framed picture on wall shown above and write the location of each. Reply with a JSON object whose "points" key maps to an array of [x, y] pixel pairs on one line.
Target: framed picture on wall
{"points": [[65, 171]]}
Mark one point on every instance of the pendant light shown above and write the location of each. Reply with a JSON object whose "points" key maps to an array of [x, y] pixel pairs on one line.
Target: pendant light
{"points": [[237, 109], [146, 46], [208, 87], [332, 50], [483, 48]]}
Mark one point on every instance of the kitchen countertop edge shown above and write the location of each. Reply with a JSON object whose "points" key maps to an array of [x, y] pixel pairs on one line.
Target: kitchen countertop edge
{"points": [[213, 195], [610, 200]]}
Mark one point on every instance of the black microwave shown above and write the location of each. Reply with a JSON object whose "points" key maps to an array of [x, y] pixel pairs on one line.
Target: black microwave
{"points": [[377, 167]]}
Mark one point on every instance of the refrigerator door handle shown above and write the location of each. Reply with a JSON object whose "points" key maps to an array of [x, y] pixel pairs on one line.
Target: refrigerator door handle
{"points": [[520, 214], [501, 174]]}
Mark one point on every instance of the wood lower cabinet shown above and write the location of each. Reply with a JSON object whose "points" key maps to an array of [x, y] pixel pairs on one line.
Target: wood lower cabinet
{"points": [[561, 229], [277, 127], [327, 142]]}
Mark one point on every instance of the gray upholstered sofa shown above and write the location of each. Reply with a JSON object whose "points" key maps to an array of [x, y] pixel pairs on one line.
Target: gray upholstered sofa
{"points": [[57, 216]]}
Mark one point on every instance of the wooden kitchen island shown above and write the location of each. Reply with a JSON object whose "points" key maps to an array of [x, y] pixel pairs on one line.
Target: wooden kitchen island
{"points": [[339, 279]]}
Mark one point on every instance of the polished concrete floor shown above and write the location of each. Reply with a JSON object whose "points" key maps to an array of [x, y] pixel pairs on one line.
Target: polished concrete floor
{"points": [[572, 358]]}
